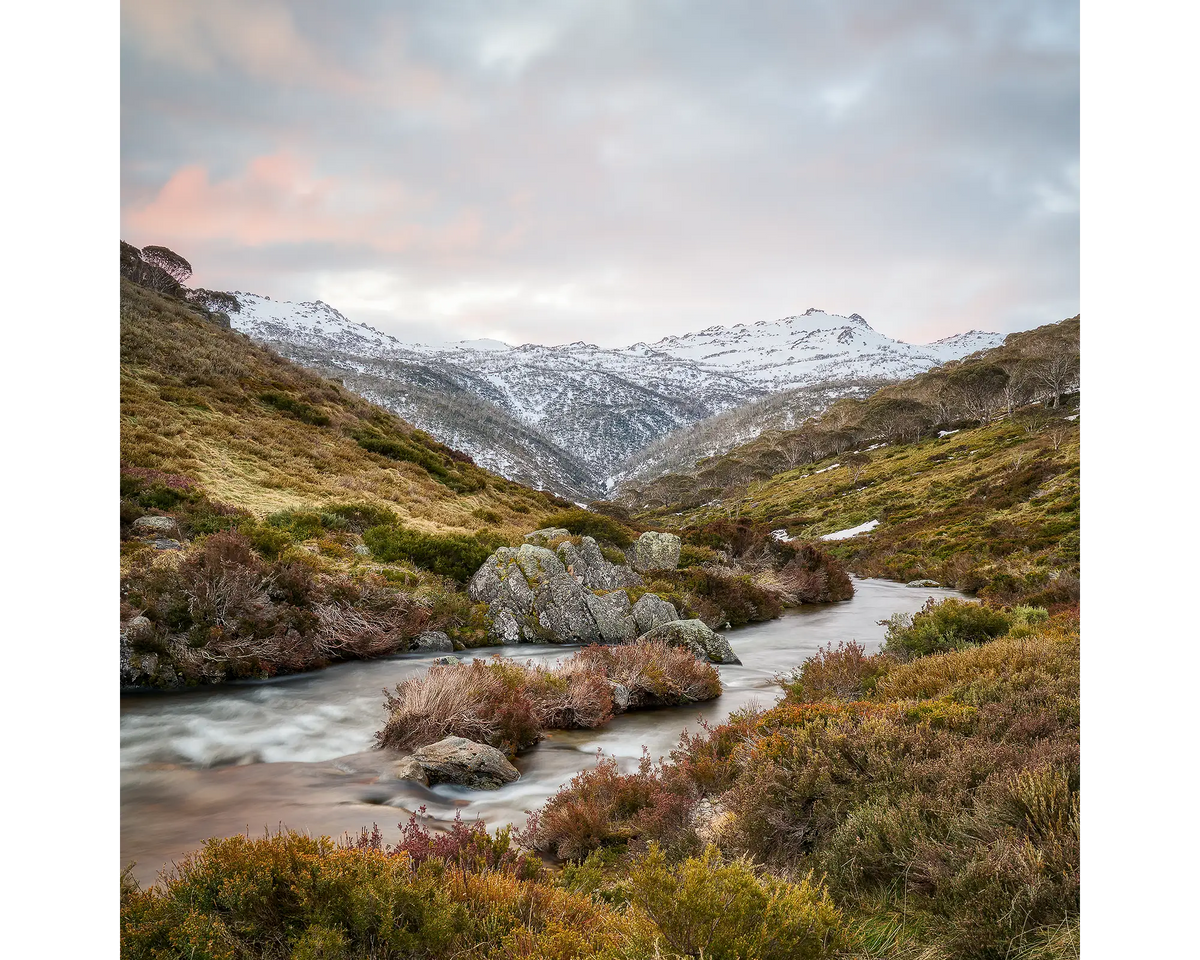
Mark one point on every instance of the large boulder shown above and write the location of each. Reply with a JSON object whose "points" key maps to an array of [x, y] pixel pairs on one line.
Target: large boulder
{"points": [[651, 610], [655, 551], [588, 565], [573, 595], [459, 760], [613, 615], [695, 635]]}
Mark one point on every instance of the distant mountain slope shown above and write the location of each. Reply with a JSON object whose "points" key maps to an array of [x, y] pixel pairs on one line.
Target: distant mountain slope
{"points": [[573, 418], [968, 474], [262, 434]]}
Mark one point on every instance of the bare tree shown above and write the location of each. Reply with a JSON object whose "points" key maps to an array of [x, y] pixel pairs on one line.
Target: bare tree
{"points": [[978, 387], [857, 464], [1058, 372]]}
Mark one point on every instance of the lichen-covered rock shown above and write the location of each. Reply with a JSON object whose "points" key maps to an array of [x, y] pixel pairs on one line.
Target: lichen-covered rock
{"points": [[588, 565], [410, 769], [620, 695], [538, 563], [505, 628], [165, 544], [538, 596], [695, 635], [922, 583], [655, 551], [459, 760], [652, 610], [446, 661], [433, 641], [614, 616], [547, 535], [562, 609], [154, 527], [710, 819]]}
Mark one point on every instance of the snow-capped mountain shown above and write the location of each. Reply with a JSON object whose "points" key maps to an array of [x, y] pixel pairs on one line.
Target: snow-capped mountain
{"points": [[572, 418]]}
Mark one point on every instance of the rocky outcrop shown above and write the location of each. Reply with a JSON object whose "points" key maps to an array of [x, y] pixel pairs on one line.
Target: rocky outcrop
{"points": [[458, 760], [922, 583], [651, 611], [535, 595], [695, 635], [655, 551], [588, 565]]}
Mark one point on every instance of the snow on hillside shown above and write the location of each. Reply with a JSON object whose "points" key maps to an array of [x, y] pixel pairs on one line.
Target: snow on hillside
{"points": [[598, 406]]}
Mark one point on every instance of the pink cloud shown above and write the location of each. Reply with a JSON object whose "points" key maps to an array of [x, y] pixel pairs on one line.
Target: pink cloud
{"points": [[278, 199]]}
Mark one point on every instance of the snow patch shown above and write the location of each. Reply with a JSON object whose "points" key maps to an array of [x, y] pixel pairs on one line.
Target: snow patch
{"points": [[852, 531]]}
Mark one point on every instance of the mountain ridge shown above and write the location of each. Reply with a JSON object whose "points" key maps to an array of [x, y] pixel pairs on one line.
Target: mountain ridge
{"points": [[573, 417]]}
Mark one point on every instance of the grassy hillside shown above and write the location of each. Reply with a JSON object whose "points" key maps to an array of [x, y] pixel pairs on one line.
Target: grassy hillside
{"points": [[971, 472], [263, 434], [268, 483]]}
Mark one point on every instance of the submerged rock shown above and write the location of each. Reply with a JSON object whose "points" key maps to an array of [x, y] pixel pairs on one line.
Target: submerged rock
{"points": [[459, 760]]}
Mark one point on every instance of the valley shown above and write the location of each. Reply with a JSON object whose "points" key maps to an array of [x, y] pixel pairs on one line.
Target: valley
{"points": [[831, 632]]}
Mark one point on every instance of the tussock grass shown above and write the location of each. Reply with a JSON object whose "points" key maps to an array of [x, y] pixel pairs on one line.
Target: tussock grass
{"points": [[509, 705]]}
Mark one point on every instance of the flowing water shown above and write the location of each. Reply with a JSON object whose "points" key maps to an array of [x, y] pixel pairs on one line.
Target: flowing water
{"points": [[297, 751]]}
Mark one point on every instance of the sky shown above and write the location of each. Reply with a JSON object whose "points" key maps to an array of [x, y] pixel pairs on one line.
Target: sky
{"points": [[612, 170]]}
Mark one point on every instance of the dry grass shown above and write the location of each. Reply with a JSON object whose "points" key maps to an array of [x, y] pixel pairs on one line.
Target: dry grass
{"points": [[508, 705], [190, 405]]}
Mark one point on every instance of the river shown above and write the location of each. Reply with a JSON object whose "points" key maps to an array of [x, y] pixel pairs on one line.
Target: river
{"points": [[297, 751]]}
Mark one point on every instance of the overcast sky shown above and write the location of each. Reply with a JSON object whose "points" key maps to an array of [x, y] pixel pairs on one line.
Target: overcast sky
{"points": [[612, 171]]}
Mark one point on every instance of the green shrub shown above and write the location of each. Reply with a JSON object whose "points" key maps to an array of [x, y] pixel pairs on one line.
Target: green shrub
{"points": [[726, 911], [361, 516], [454, 555], [584, 523], [286, 403], [940, 627], [842, 673]]}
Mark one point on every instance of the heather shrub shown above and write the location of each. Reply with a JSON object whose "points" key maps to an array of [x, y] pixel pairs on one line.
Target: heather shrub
{"points": [[222, 611], [238, 897], [705, 907], [813, 576], [719, 595], [485, 702], [939, 627], [842, 673], [654, 673], [468, 847], [602, 807]]}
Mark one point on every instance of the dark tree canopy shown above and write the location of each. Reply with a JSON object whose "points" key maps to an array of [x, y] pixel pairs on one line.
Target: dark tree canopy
{"points": [[169, 261]]}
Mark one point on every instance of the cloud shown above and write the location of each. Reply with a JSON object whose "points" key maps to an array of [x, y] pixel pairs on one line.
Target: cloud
{"points": [[614, 171]]}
